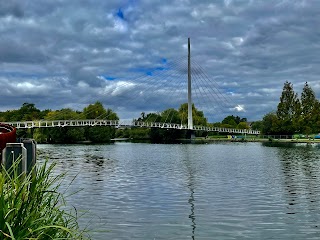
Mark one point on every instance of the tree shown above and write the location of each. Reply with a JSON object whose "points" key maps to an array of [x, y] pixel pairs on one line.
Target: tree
{"points": [[269, 124], [308, 100], [63, 114], [315, 118], [287, 109], [111, 115], [232, 121], [100, 134], [170, 115], [242, 125], [308, 103], [29, 112], [198, 116], [94, 111], [150, 117], [257, 125]]}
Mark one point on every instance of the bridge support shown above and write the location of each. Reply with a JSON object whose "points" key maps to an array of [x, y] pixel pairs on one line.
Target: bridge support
{"points": [[191, 134], [190, 119]]}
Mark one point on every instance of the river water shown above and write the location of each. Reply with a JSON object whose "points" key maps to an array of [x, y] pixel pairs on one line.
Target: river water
{"points": [[190, 191]]}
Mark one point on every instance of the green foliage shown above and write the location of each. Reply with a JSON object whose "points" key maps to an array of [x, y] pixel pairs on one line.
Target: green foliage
{"points": [[140, 133], [31, 206], [270, 124], [288, 110], [100, 134], [27, 112], [63, 114], [257, 125], [150, 117], [232, 121], [309, 102], [198, 116], [242, 125], [97, 111], [123, 133], [170, 115], [40, 136], [294, 115]]}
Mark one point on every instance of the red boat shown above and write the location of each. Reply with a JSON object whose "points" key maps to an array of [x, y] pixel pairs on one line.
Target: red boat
{"points": [[7, 135]]}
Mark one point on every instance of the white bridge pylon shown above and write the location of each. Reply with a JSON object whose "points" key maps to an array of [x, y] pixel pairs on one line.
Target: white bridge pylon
{"points": [[122, 124]]}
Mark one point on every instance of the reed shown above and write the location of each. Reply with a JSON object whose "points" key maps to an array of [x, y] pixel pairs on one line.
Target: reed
{"points": [[31, 206]]}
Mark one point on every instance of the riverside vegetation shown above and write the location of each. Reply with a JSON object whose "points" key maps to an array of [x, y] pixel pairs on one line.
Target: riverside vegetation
{"points": [[31, 206], [99, 134], [292, 116]]}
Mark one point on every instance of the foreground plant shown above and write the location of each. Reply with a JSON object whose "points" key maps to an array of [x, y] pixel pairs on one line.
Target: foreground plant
{"points": [[31, 206]]}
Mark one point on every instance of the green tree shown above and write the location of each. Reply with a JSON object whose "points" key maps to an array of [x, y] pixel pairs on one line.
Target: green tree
{"points": [[29, 112], [198, 116], [94, 111], [287, 109], [315, 118], [308, 100], [308, 103], [257, 125], [232, 121], [63, 114], [242, 125], [270, 124], [100, 134], [150, 117], [170, 116]]}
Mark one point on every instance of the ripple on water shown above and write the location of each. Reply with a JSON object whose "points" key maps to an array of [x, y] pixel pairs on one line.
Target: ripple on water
{"points": [[221, 191]]}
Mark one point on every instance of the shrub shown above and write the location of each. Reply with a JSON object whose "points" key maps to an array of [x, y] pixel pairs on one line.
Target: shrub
{"points": [[31, 206]]}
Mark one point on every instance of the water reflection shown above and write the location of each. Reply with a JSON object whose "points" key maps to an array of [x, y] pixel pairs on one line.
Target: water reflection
{"points": [[300, 167], [223, 191], [191, 186]]}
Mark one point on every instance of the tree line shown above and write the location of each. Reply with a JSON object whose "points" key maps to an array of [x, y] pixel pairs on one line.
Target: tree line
{"points": [[99, 134], [293, 114], [29, 112]]}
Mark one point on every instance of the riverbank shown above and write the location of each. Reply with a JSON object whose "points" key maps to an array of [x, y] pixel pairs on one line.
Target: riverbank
{"points": [[224, 139]]}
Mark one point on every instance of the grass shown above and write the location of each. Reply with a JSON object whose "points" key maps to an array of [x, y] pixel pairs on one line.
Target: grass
{"points": [[32, 208]]}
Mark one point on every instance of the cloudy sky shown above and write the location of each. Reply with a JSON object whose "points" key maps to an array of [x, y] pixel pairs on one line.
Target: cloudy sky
{"points": [[132, 54]]}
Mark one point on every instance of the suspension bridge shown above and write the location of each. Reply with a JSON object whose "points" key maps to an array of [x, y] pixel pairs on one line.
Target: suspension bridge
{"points": [[143, 124], [122, 124]]}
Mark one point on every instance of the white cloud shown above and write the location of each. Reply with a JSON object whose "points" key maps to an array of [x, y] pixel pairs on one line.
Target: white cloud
{"points": [[240, 108], [246, 49]]}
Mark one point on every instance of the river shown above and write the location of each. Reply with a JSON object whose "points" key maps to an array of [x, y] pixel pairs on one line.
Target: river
{"points": [[192, 191]]}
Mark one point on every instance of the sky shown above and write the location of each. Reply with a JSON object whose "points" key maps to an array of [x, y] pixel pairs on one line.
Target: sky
{"points": [[131, 55]]}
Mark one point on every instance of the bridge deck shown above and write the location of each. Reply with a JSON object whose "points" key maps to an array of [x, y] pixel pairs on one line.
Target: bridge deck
{"points": [[117, 123]]}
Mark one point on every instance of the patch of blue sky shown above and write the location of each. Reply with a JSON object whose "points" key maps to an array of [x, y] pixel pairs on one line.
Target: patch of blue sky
{"points": [[149, 71], [109, 78], [228, 89], [120, 14]]}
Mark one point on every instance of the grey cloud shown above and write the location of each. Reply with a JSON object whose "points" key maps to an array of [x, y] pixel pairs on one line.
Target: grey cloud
{"points": [[248, 48], [11, 8]]}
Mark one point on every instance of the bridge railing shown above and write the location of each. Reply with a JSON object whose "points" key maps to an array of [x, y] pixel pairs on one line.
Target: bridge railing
{"points": [[117, 123]]}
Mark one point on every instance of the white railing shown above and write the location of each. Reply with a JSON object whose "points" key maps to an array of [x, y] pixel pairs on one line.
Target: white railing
{"points": [[118, 124]]}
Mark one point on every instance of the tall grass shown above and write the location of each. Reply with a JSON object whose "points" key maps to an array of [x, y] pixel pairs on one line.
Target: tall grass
{"points": [[31, 206]]}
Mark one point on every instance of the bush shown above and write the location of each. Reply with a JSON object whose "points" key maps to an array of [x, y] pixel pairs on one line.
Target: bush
{"points": [[31, 206]]}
